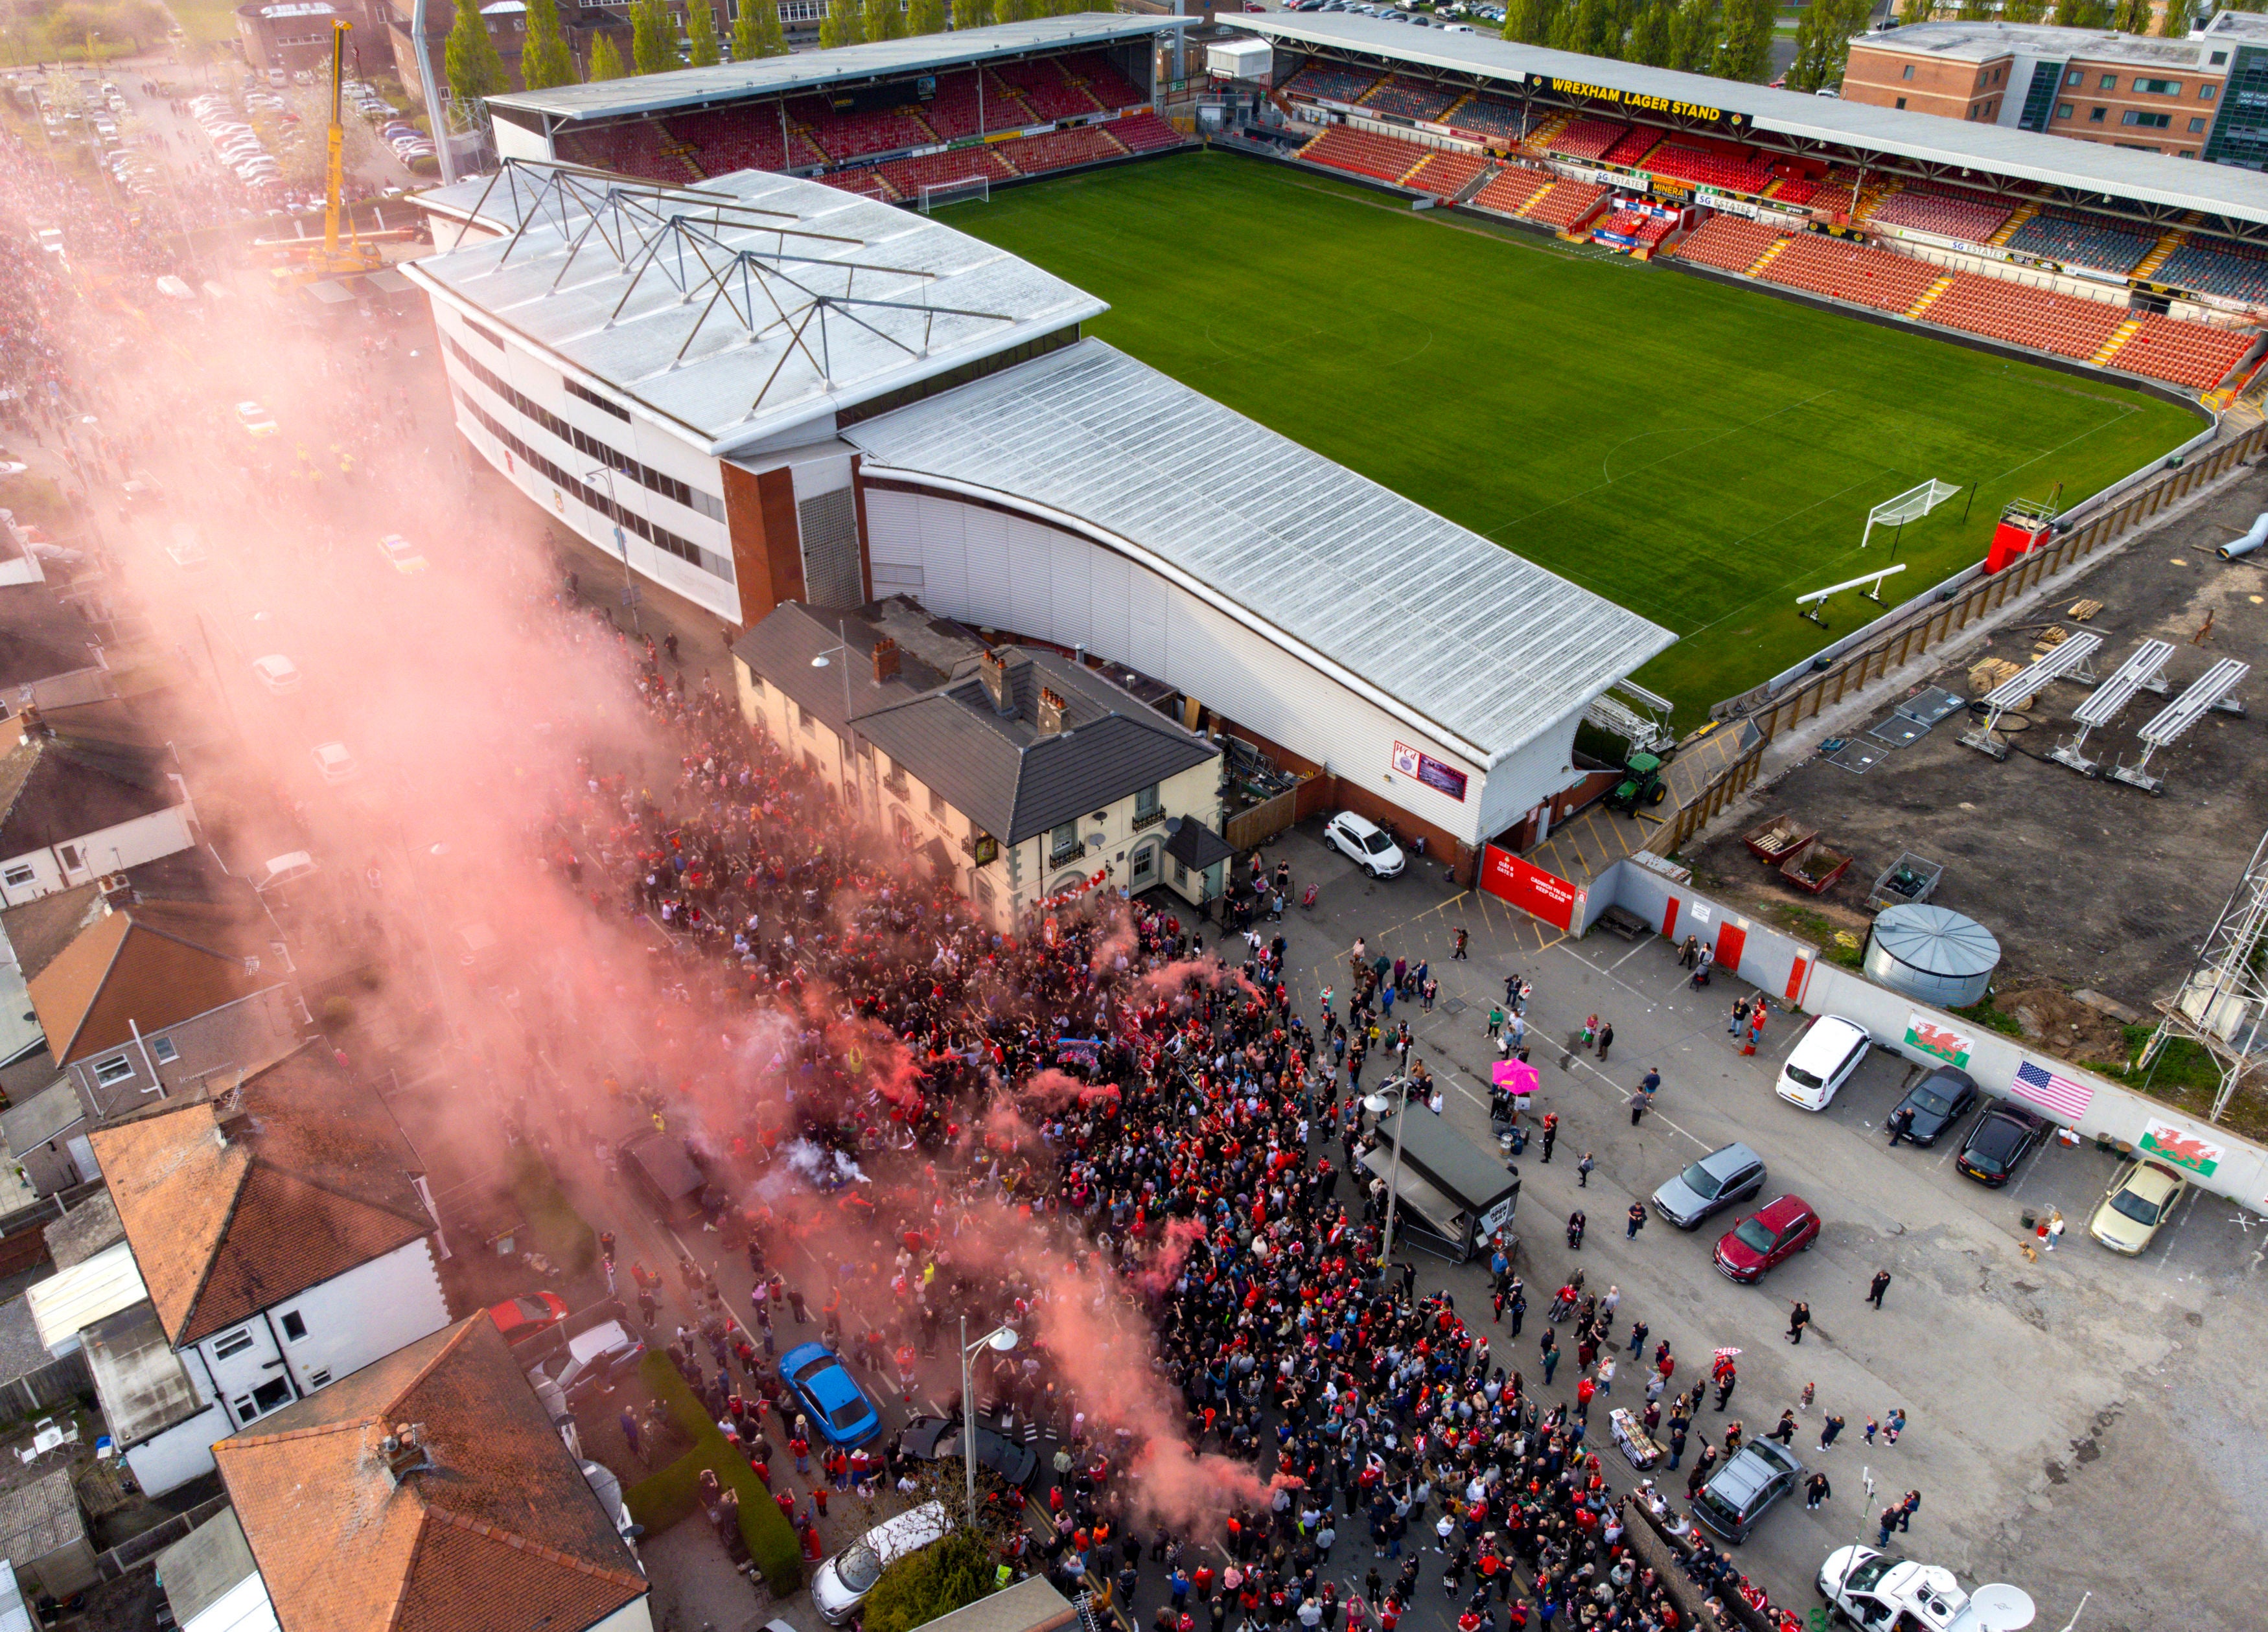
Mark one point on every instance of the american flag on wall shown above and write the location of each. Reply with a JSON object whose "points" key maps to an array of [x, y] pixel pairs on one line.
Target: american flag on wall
{"points": [[2052, 1092]]}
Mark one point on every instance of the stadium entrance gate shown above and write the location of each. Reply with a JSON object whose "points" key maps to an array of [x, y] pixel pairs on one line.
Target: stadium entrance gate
{"points": [[1545, 896]]}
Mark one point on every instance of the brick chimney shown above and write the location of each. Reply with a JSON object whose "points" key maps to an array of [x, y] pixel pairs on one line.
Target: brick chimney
{"points": [[1051, 711], [993, 668], [404, 1451], [886, 660]]}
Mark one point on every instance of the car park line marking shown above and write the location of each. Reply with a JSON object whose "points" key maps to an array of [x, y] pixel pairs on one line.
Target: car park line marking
{"points": [[1631, 953]]}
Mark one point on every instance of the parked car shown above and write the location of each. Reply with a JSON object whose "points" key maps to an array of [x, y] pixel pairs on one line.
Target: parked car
{"points": [[278, 871], [1365, 843], [2138, 1201], [839, 1586], [1825, 1057], [404, 555], [1937, 1102], [829, 1395], [1785, 1228], [1734, 1173], [334, 762], [277, 672], [593, 1360], [1743, 1491], [525, 1316], [257, 420], [2002, 1137], [938, 1439]]}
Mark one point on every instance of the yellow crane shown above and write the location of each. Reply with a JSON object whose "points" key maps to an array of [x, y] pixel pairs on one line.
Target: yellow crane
{"points": [[335, 259]]}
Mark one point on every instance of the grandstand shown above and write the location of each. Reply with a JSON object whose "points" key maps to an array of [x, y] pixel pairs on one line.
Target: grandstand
{"points": [[2079, 240], [880, 119]]}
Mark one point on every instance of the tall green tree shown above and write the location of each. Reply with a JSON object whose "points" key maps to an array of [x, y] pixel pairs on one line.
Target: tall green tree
{"points": [[700, 33], [1917, 11], [1650, 36], [544, 58], [1746, 52], [1822, 40], [605, 61], [2174, 22], [885, 19], [1529, 21], [844, 25], [757, 32], [1694, 36], [475, 68], [926, 17], [2023, 11], [653, 36]]}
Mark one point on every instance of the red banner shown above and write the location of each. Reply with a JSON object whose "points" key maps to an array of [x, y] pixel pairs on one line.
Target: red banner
{"points": [[1541, 895]]}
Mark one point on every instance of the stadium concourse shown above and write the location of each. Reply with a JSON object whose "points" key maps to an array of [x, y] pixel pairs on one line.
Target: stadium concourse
{"points": [[884, 120], [2125, 261]]}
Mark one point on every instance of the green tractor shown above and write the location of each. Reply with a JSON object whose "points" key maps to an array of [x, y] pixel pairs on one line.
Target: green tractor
{"points": [[1642, 784]]}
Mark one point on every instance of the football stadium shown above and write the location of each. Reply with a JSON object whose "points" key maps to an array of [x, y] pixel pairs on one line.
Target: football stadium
{"points": [[1580, 374]]}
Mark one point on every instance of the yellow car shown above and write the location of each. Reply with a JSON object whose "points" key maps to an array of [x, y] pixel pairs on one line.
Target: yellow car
{"points": [[257, 420], [2140, 1199], [401, 553]]}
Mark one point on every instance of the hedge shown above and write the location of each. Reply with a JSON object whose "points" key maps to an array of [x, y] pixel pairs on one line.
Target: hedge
{"points": [[950, 1575], [560, 1232], [671, 1496]]}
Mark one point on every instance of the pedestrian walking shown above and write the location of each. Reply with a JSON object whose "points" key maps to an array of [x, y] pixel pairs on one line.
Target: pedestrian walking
{"points": [[1459, 950], [1784, 1430], [1879, 1285], [1907, 1509], [1606, 1042], [1551, 1134], [1798, 1318], [1638, 1104], [1583, 1171], [1833, 1426], [1738, 1019], [1868, 1430], [1637, 1223], [1639, 1330], [1893, 1425], [1816, 1491]]}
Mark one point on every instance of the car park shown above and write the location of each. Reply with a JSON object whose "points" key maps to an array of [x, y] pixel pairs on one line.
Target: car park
{"points": [[527, 1315], [334, 763], [1726, 1176], [828, 1395], [1998, 1145], [1365, 843], [1749, 1484], [1825, 1057], [839, 1584], [277, 672], [1936, 1104], [938, 1439], [2140, 1199], [1768, 1237]]}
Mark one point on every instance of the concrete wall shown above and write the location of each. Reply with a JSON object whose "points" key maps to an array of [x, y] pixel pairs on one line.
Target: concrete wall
{"points": [[182, 1452]]}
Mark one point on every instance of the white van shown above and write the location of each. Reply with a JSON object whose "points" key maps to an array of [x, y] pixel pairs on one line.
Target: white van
{"points": [[289, 868], [1826, 1057], [843, 1581]]}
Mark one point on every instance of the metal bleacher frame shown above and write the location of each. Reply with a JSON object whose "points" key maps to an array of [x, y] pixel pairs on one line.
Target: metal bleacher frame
{"points": [[2208, 692], [2070, 660], [2144, 670]]}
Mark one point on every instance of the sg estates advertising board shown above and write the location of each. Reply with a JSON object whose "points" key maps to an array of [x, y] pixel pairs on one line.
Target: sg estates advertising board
{"points": [[1637, 102]]}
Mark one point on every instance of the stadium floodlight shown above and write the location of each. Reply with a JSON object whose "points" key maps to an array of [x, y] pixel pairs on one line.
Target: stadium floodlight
{"points": [[1911, 505], [977, 186], [1811, 603]]}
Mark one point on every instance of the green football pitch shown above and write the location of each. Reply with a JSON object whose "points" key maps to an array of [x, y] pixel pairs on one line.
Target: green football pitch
{"points": [[1699, 453]]}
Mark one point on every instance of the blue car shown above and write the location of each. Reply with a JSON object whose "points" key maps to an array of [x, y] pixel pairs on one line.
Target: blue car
{"points": [[829, 1397]]}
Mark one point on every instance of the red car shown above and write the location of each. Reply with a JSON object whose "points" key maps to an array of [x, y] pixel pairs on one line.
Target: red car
{"points": [[1757, 1242], [524, 1317]]}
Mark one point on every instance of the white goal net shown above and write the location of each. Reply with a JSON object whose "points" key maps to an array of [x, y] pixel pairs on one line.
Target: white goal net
{"points": [[1911, 505], [979, 187]]}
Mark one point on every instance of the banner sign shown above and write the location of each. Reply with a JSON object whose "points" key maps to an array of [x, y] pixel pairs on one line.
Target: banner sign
{"points": [[2170, 1144], [1086, 1051], [1637, 102], [1542, 895], [1924, 1035], [1426, 769]]}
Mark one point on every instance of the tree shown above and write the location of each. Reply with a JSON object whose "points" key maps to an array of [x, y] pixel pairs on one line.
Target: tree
{"points": [[700, 33], [926, 17], [605, 61], [949, 1575], [1917, 11], [758, 32], [885, 19], [1529, 21], [1694, 37], [2023, 11], [1822, 39], [2173, 23], [1746, 52], [475, 68], [544, 58], [653, 36], [842, 25], [1650, 37]]}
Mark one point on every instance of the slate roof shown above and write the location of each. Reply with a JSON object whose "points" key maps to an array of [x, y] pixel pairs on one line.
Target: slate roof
{"points": [[1002, 772], [40, 1517], [502, 1533], [60, 787], [1196, 846], [312, 1179], [42, 1117], [40, 636], [148, 964], [42, 927]]}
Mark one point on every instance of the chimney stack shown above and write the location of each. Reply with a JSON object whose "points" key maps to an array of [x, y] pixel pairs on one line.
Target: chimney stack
{"points": [[1051, 712], [994, 669], [117, 890], [404, 1451], [886, 660]]}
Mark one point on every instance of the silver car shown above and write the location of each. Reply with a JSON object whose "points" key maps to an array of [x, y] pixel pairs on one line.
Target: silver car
{"points": [[1718, 1181]]}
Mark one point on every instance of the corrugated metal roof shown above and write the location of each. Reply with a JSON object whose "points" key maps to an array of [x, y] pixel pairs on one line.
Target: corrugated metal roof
{"points": [[67, 1303], [692, 361], [1489, 648], [805, 71], [1923, 138]]}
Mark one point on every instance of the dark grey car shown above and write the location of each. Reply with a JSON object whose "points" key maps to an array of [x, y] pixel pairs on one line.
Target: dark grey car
{"points": [[1718, 1181], [1744, 1489]]}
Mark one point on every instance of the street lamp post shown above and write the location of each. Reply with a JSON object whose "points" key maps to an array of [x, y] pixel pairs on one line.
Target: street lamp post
{"points": [[850, 750], [1000, 1340], [1394, 1172]]}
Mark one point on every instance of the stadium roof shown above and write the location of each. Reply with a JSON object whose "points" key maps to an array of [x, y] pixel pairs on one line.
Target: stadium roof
{"points": [[751, 306], [1443, 628], [1922, 139], [807, 70]]}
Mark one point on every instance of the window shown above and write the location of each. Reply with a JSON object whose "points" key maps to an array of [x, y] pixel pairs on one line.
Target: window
{"points": [[272, 1395], [1146, 802], [116, 1069], [937, 804], [2205, 93], [1902, 101], [1909, 73], [2110, 82], [1063, 843], [2062, 110], [2189, 152], [2147, 121], [2197, 126], [2219, 58], [1180, 873], [69, 854], [16, 876], [2159, 87], [295, 1329], [575, 388], [235, 1343], [2074, 77], [803, 720], [2094, 115], [162, 1050], [755, 685], [488, 334]]}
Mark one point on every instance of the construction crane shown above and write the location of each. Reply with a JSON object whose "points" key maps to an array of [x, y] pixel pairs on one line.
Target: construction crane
{"points": [[355, 255]]}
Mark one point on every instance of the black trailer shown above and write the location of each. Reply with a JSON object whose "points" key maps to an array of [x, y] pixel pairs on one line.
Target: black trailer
{"points": [[1455, 1195]]}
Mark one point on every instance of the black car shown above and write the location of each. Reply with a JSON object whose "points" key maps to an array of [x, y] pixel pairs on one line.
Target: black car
{"points": [[938, 1439], [1936, 1103], [2003, 1137]]}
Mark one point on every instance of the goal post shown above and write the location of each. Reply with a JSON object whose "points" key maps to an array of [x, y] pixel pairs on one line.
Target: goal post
{"points": [[976, 186], [1911, 505]]}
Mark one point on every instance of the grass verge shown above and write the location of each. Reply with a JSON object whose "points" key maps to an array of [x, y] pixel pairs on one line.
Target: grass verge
{"points": [[671, 1495], [561, 1233]]}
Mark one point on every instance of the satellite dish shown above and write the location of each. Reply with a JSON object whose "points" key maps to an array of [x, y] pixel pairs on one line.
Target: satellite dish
{"points": [[1172, 823], [2001, 1608]]}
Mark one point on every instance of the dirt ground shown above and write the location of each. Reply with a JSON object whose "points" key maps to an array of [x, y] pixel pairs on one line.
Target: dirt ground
{"points": [[2088, 883]]}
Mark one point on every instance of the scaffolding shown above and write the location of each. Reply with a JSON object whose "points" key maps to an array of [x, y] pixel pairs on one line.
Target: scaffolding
{"points": [[2222, 1007]]}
